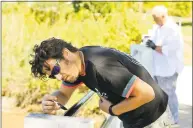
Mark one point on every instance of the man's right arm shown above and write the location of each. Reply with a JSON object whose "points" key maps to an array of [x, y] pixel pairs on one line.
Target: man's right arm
{"points": [[62, 96]]}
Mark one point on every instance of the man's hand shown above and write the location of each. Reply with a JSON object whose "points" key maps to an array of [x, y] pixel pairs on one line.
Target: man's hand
{"points": [[159, 49], [48, 105], [150, 44], [104, 105]]}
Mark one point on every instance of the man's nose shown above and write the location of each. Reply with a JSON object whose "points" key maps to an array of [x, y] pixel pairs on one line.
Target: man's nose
{"points": [[58, 76]]}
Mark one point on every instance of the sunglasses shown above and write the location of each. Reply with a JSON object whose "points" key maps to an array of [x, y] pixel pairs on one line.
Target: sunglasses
{"points": [[55, 70]]}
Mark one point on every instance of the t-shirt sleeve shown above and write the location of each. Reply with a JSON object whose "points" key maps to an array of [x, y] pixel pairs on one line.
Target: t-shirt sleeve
{"points": [[121, 80], [137, 72], [123, 72], [129, 87], [74, 84]]}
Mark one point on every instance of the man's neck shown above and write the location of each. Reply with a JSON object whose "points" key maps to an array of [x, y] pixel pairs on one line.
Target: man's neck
{"points": [[164, 21], [81, 63]]}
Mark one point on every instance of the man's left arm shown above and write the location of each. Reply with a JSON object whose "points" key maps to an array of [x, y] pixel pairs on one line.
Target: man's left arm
{"points": [[140, 94]]}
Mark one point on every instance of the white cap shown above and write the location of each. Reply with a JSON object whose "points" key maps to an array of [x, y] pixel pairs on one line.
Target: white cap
{"points": [[159, 11]]}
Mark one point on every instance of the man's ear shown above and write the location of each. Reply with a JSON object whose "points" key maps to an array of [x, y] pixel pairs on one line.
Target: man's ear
{"points": [[65, 53]]}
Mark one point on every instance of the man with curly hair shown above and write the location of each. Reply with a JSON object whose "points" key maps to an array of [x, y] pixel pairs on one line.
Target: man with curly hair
{"points": [[125, 87]]}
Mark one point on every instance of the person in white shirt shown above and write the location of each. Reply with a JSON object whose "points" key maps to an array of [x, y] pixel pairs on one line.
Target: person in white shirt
{"points": [[167, 44]]}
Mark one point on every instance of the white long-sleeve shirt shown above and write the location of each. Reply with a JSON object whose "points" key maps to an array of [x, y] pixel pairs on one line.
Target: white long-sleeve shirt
{"points": [[171, 60]]}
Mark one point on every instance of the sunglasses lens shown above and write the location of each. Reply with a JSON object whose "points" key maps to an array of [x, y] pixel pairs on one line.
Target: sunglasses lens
{"points": [[55, 71]]}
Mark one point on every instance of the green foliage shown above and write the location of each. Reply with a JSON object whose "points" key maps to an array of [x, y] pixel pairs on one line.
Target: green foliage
{"points": [[181, 9], [99, 7], [147, 6]]}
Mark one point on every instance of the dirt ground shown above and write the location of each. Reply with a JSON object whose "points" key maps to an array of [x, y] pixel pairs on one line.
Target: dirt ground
{"points": [[13, 119]]}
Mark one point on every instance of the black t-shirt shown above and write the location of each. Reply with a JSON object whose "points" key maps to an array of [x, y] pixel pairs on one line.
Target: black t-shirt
{"points": [[111, 74]]}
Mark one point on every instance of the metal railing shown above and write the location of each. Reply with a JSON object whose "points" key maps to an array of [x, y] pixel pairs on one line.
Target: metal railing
{"points": [[77, 106], [107, 122]]}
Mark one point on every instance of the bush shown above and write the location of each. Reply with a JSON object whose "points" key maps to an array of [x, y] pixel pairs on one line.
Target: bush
{"points": [[181, 9]]}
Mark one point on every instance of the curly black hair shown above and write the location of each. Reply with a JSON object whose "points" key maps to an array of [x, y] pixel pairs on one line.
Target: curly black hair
{"points": [[50, 48]]}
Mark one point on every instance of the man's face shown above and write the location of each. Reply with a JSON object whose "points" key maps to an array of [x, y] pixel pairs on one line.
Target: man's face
{"points": [[65, 70], [158, 20]]}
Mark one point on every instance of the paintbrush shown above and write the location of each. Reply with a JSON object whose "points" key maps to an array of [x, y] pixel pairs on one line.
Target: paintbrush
{"points": [[61, 106]]}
